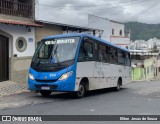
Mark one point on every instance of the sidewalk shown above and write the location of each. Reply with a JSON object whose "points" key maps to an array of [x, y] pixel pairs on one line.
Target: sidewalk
{"points": [[9, 87], [153, 79]]}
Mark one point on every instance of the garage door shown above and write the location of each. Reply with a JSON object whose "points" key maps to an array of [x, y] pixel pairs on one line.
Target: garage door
{"points": [[4, 58]]}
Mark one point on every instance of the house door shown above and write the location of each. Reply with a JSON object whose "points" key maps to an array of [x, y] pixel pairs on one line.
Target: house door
{"points": [[4, 58]]}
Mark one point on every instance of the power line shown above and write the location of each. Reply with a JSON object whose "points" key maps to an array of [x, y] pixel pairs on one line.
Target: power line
{"points": [[86, 10], [56, 6], [147, 11], [118, 6], [94, 8], [143, 11]]}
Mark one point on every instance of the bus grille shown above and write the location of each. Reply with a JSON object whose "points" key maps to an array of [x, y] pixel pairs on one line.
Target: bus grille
{"points": [[46, 81]]}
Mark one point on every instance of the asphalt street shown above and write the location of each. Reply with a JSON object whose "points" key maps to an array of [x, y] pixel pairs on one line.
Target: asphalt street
{"points": [[138, 98]]}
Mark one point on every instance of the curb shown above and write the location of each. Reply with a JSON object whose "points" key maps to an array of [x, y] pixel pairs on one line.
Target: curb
{"points": [[134, 81]]}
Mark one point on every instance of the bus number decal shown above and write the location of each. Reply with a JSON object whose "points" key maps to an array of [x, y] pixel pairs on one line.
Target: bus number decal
{"points": [[52, 75]]}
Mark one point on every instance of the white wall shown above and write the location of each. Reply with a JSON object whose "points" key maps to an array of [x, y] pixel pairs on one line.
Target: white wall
{"points": [[121, 41], [20, 31], [117, 27], [101, 24], [106, 25], [118, 39]]}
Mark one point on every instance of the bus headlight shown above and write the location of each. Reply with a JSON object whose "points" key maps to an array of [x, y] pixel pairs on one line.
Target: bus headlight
{"points": [[66, 75], [31, 76]]}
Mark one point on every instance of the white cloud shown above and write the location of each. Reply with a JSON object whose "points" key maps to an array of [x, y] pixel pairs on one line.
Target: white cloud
{"points": [[75, 12]]}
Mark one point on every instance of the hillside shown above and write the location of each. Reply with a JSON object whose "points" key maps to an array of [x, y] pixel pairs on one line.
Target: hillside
{"points": [[143, 31]]}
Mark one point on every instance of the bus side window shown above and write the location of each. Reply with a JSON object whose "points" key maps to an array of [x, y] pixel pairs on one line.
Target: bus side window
{"points": [[127, 59], [121, 57], [107, 54], [103, 53], [88, 51], [113, 57], [81, 54]]}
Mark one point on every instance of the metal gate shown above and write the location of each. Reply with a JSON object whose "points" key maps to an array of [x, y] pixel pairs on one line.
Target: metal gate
{"points": [[4, 58]]}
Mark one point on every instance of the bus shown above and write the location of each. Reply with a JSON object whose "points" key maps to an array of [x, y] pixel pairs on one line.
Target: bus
{"points": [[78, 63]]}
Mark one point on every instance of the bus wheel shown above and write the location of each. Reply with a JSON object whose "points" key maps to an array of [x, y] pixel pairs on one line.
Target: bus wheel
{"points": [[81, 91], [45, 93], [118, 87]]}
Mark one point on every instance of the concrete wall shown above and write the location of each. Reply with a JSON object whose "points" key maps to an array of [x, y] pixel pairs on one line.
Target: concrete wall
{"points": [[17, 18], [107, 26], [19, 69], [19, 66], [116, 38], [158, 67], [121, 41], [96, 22], [20, 31], [146, 73], [150, 65], [117, 27], [137, 74], [47, 30]]}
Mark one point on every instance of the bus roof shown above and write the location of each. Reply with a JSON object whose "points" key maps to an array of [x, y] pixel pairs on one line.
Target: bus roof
{"points": [[85, 35]]}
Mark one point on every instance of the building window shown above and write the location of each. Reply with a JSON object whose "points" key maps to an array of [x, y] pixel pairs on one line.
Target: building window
{"points": [[159, 69], [120, 32], [112, 31], [21, 44]]}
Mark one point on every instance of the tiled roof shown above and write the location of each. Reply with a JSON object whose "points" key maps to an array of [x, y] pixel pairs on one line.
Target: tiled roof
{"points": [[20, 23]]}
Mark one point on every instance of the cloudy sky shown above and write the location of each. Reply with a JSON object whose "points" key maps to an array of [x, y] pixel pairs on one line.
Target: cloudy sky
{"points": [[75, 12]]}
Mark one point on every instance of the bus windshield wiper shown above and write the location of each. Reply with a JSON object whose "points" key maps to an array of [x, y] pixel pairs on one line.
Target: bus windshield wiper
{"points": [[55, 53]]}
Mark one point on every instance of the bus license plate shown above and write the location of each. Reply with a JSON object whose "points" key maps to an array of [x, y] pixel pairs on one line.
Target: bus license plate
{"points": [[45, 88]]}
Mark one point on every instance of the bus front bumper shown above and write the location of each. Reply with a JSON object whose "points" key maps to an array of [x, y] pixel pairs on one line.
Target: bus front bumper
{"points": [[59, 86]]}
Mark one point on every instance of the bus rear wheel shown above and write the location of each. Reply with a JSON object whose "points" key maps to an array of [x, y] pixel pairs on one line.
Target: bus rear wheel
{"points": [[45, 93], [81, 91]]}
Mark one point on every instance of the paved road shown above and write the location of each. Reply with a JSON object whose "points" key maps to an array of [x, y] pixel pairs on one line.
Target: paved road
{"points": [[139, 98]]}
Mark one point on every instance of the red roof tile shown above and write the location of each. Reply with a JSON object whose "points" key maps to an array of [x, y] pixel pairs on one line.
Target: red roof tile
{"points": [[20, 23]]}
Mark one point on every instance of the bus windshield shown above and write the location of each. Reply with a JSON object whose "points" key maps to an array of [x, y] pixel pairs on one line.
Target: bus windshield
{"points": [[56, 50]]}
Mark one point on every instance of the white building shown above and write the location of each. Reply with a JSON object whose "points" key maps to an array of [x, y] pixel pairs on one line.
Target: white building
{"points": [[119, 35], [17, 39], [101, 24], [147, 45], [113, 31]]}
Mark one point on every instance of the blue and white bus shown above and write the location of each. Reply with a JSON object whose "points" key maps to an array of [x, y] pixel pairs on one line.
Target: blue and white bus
{"points": [[78, 63]]}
